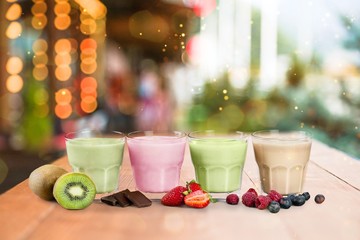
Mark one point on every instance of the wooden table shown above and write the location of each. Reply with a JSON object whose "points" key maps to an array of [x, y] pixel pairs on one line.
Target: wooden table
{"points": [[330, 172]]}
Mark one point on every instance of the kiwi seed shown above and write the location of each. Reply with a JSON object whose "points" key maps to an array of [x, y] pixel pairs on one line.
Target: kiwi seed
{"points": [[74, 190], [42, 180]]}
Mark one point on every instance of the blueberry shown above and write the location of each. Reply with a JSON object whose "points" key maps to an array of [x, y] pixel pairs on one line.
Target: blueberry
{"points": [[299, 200], [274, 207], [319, 198], [291, 197], [285, 203], [306, 195]]}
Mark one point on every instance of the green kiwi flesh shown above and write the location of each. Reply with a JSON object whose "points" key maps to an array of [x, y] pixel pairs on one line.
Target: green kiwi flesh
{"points": [[74, 190]]}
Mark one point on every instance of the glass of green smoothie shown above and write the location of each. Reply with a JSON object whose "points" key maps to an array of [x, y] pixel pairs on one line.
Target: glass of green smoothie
{"points": [[218, 159], [98, 154]]}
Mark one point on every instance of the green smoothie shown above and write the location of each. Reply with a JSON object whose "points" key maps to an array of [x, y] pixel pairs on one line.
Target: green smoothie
{"points": [[100, 158], [218, 163]]}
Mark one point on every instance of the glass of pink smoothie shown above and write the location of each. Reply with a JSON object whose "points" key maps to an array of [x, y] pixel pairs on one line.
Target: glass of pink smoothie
{"points": [[156, 159]]}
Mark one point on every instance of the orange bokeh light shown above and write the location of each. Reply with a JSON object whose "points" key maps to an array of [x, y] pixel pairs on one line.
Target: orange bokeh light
{"points": [[63, 111], [88, 43], [40, 58], [14, 83], [62, 21], [62, 8], [63, 45], [88, 68], [88, 53], [63, 72], [88, 26], [62, 59], [88, 82], [14, 65], [63, 96], [13, 12], [88, 92], [40, 72], [14, 30], [40, 46], [88, 104], [39, 7], [39, 21]]}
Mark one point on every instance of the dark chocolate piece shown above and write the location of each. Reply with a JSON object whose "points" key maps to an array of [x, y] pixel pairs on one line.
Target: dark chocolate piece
{"points": [[138, 199], [121, 199], [109, 200]]}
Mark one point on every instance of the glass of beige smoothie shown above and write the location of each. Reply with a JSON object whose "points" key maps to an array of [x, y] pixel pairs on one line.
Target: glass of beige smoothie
{"points": [[98, 154], [282, 159]]}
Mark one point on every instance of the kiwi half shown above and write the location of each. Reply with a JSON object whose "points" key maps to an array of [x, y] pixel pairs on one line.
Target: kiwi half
{"points": [[74, 190]]}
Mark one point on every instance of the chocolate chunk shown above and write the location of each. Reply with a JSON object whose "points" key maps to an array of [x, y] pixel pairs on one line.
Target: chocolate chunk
{"points": [[138, 199], [109, 200], [121, 199]]}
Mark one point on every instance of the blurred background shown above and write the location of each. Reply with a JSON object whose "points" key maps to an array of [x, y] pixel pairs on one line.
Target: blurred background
{"points": [[174, 64]]}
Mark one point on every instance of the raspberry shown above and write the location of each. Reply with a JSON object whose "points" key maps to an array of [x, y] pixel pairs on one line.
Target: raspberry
{"points": [[248, 199], [251, 190], [262, 202], [232, 199], [275, 196]]}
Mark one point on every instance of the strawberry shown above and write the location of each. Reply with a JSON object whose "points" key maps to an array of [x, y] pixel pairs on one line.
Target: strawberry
{"points": [[174, 197], [197, 199], [193, 186]]}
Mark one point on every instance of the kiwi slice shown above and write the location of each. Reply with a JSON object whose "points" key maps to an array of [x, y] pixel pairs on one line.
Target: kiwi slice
{"points": [[74, 190], [42, 180]]}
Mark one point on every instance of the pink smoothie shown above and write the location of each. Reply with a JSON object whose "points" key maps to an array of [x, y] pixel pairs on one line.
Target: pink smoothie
{"points": [[156, 161]]}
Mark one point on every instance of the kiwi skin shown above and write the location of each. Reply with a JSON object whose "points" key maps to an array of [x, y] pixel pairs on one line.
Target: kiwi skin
{"points": [[42, 180], [74, 191]]}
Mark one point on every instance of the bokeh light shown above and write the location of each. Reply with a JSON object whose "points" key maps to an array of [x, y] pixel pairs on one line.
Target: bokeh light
{"points": [[40, 72], [62, 21], [94, 8], [63, 111], [88, 82], [62, 8], [63, 72], [88, 26], [13, 12], [88, 104], [39, 21], [88, 68], [39, 8], [62, 45], [40, 58], [14, 83], [62, 59], [63, 96], [88, 43], [41, 96], [14, 30], [40, 46], [14, 65]]}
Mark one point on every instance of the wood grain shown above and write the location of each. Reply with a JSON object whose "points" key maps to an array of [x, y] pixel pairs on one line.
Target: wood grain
{"points": [[24, 216]]}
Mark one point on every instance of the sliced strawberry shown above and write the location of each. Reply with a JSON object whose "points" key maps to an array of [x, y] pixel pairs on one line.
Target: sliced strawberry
{"points": [[174, 197], [197, 199], [193, 186]]}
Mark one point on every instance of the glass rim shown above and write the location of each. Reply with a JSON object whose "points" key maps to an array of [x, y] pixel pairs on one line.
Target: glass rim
{"points": [[302, 135], [206, 134], [72, 135], [175, 134]]}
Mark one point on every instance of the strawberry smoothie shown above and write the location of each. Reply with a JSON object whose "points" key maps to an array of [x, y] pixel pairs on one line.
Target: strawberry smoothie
{"points": [[156, 159]]}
